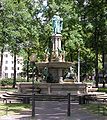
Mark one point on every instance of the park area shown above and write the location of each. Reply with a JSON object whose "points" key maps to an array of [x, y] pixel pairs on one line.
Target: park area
{"points": [[53, 60]]}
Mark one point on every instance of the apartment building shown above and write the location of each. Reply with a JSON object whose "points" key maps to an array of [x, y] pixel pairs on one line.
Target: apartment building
{"points": [[8, 65]]}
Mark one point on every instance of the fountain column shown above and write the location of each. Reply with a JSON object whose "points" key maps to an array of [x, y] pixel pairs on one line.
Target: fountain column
{"points": [[56, 49]]}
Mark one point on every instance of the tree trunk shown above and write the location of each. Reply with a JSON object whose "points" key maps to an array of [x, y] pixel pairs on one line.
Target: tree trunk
{"points": [[71, 55], [103, 68], [2, 50], [14, 78], [96, 56], [27, 66], [3, 40]]}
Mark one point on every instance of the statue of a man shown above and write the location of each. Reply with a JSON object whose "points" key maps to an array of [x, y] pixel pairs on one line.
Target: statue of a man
{"points": [[57, 24]]}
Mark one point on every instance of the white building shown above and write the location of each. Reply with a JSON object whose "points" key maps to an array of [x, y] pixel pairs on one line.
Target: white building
{"points": [[8, 65]]}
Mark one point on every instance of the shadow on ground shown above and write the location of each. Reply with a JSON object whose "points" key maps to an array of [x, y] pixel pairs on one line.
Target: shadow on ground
{"points": [[56, 110]]}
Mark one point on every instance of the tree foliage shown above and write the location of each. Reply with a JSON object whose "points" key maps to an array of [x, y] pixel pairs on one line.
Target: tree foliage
{"points": [[26, 27]]}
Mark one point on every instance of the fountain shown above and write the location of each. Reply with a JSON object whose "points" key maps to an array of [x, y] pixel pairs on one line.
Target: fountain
{"points": [[55, 69]]}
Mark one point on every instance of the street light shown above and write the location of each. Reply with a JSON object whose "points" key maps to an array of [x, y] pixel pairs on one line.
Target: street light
{"points": [[78, 65], [32, 61], [3, 21]]}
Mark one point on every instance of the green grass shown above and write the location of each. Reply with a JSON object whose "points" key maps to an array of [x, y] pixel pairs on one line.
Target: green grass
{"points": [[102, 90], [13, 108], [96, 109], [8, 89]]}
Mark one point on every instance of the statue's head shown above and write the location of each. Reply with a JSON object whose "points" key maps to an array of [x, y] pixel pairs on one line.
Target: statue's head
{"points": [[45, 68]]}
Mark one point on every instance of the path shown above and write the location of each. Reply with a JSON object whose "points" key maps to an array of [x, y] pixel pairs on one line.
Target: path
{"points": [[56, 111]]}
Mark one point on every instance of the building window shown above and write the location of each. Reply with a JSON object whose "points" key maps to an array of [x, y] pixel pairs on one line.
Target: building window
{"points": [[12, 68], [12, 62], [18, 62], [21, 60], [17, 68], [18, 74], [12, 75], [6, 68], [6, 55], [6, 75], [6, 62]]}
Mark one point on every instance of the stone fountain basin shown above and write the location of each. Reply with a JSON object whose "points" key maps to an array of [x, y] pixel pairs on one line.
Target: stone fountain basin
{"points": [[63, 65], [55, 88]]}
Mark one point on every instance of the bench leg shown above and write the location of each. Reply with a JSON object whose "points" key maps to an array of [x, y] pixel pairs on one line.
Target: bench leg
{"points": [[81, 100], [4, 100]]}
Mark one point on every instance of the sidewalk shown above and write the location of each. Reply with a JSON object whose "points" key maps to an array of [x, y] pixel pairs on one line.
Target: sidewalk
{"points": [[53, 110]]}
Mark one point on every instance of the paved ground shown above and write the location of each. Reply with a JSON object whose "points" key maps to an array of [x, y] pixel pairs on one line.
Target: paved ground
{"points": [[56, 111]]}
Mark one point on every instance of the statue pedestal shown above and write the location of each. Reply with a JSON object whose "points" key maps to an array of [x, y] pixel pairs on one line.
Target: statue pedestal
{"points": [[57, 53]]}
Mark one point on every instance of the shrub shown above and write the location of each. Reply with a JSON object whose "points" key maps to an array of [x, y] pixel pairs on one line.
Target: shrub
{"points": [[6, 81], [9, 81], [21, 80]]}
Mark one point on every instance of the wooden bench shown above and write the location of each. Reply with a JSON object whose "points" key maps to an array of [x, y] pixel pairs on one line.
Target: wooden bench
{"points": [[92, 89], [90, 96], [9, 98], [26, 98], [40, 97], [101, 101]]}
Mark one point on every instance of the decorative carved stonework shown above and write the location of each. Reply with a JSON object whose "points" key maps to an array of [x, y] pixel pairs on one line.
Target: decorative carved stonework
{"points": [[53, 56], [63, 57], [46, 58]]}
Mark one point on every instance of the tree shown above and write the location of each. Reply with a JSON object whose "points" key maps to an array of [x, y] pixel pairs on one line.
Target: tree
{"points": [[93, 14], [3, 26], [21, 27], [28, 23]]}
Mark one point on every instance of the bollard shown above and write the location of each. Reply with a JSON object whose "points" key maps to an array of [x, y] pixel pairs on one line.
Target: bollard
{"points": [[82, 99], [68, 111]]}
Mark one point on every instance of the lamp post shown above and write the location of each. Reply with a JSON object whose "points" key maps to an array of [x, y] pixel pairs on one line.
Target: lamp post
{"points": [[78, 65], [3, 23], [32, 60]]}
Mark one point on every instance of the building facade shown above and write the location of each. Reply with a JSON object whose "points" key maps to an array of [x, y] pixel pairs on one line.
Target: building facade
{"points": [[8, 65]]}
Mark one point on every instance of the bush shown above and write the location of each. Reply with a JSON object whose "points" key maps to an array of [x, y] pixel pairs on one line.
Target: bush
{"points": [[9, 81], [21, 80]]}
